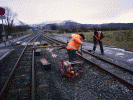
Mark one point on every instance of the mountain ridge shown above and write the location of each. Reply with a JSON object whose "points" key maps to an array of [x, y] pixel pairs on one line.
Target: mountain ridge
{"points": [[70, 23]]}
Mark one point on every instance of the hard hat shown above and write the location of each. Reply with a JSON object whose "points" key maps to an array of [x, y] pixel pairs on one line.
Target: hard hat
{"points": [[72, 35]]}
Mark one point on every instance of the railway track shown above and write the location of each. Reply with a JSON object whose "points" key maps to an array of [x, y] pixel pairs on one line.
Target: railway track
{"points": [[26, 80], [31, 81], [122, 74], [21, 77]]}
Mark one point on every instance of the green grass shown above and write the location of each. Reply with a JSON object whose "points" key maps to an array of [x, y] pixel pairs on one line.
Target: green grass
{"points": [[120, 38]]}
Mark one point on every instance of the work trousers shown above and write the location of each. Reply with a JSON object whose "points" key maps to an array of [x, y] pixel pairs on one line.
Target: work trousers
{"points": [[71, 54], [101, 46]]}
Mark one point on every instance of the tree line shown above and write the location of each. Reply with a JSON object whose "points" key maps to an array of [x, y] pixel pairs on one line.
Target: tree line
{"points": [[12, 29], [74, 28]]}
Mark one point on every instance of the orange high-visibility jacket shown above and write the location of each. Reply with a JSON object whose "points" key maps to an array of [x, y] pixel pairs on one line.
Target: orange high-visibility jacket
{"points": [[75, 42], [98, 36]]}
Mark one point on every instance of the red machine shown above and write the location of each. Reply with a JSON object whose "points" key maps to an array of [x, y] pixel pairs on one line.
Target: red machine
{"points": [[71, 69]]}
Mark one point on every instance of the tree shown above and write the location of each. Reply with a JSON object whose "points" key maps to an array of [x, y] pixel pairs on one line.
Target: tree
{"points": [[73, 28], [83, 29], [9, 19], [53, 27]]}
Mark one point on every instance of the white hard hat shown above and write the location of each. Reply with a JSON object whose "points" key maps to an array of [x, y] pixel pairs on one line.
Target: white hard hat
{"points": [[72, 35]]}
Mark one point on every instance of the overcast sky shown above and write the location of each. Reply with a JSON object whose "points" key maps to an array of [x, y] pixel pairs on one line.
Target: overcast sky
{"points": [[81, 11]]}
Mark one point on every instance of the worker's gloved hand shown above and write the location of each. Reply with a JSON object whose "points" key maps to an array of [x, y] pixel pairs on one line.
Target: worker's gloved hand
{"points": [[82, 43]]}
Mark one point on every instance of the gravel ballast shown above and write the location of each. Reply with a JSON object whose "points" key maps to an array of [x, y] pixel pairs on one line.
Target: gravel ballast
{"points": [[92, 84]]}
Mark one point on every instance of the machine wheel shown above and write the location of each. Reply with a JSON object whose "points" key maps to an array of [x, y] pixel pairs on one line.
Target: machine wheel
{"points": [[61, 72]]}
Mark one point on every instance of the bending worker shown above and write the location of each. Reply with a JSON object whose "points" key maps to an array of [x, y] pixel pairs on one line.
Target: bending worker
{"points": [[98, 37], [74, 45]]}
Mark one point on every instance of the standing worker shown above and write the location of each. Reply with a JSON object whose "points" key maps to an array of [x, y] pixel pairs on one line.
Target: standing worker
{"points": [[98, 37], [74, 45]]}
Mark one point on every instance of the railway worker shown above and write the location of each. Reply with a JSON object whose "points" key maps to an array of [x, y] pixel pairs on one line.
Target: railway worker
{"points": [[74, 45], [98, 37]]}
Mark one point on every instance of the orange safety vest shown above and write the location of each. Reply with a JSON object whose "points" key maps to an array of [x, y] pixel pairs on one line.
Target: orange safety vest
{"points": [[98, 36], [75, 42]]}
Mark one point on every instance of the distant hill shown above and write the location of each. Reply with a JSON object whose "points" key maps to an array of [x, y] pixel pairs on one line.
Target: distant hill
{"points": [[68, 24], [116, 25]]}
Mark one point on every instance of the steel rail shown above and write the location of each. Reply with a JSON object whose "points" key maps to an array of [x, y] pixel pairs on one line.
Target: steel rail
{"points": [[122, 81], [50, 39], [33, 73], [4, 90], [118, 66]]}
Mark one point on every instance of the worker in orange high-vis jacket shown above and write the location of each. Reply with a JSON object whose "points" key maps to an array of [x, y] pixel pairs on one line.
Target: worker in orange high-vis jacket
{"points": [[74, 45], [98, 37]]}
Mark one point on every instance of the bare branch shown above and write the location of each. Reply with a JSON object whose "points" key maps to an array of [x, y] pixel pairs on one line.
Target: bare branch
{"points": [[10, 15]]}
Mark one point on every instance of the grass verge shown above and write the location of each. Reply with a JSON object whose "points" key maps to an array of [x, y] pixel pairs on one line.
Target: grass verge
{"points": [[120, 38]]}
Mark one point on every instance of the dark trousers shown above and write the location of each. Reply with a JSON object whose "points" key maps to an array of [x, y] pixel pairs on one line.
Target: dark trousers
{"points": [[101, 46], [71, 54]]}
